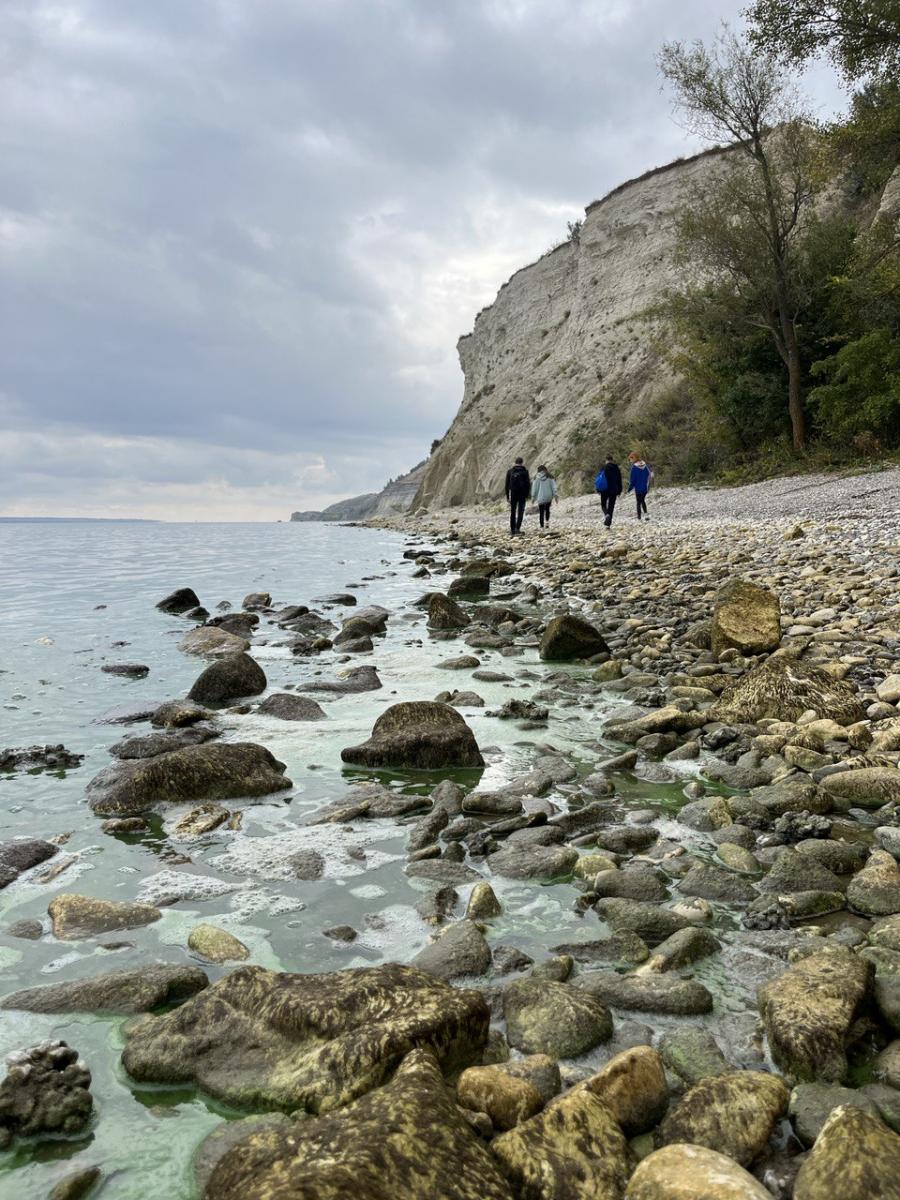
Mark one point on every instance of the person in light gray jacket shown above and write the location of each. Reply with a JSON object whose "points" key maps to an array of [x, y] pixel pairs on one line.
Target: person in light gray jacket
{"points": [[544, 491]]}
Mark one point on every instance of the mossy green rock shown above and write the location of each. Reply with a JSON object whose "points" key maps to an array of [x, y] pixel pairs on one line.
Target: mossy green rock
{"points": [[746, 618], [734, 1113], [407, 1139], [808, 1011], [785, 689], [875, 890], [216, 945], [132, 990], [648, 993], [75, 916], [212, 771], [419, 734], [633, 1087], [855, 1157], [544, 1017], [267, 1040]]}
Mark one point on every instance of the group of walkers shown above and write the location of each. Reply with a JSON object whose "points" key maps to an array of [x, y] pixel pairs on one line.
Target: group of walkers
{"points": [[520, 487]]}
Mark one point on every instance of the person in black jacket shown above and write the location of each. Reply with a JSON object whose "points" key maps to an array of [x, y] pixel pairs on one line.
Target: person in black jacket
{"points": [[609, 494], [518, 489]]}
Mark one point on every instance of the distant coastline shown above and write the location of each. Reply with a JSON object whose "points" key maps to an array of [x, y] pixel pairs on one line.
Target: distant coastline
{"points": [[92, 520]]}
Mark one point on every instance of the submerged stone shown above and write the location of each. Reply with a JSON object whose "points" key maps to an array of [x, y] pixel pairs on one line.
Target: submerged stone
{"points": [[133, 990]]}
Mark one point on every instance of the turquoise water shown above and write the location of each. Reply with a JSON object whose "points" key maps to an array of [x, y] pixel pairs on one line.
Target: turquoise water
{"points": [[55, 638]]}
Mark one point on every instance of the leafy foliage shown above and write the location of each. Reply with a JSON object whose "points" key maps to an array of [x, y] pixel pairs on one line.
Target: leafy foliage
{"points": [[862, 37]]}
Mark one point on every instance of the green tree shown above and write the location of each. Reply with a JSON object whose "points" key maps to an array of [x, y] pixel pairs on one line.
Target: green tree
{"points": [[862, 37], [742, 224]]}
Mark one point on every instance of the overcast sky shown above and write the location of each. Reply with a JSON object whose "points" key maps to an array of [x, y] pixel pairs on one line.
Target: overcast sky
{"points": [[239, 238]]}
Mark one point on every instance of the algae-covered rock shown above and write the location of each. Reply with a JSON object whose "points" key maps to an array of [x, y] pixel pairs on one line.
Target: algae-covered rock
{"points": [[407, 1139], [46, 1092], [214, 771], [533, 862], [270, 1040], [633, 1087], [785, 689], [649, 921], [573, 1150], [693, 1053], [812, 1103], [875, 890], [746, 618], [506, 1099], [648, 993], [808, 1011], [734, 1113], [855, 1157], [865, 787], [568, 637], [216, 945], [132, 990], [545, 1017], [444, 613], [459, 951], [209, 641], [76, 916], [418, 734], [685, 1172]]}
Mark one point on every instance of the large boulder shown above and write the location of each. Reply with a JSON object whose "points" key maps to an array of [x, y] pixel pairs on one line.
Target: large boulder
{"points": [[407, 1139], [648, 993], [573, 1150], [261, 1039], [21, 854], [521, 861], [229, 679], [545, 1017], [75, 916], [808, 1012], [444, 613], [875, 890], [866, 787], [568, 637], [785, 689], [855, 1157], [132, 990], [419, 734], [46, 1092], [685, 1172], [212, 641], [746, 618], [179, 601], [507, 1099], [459, 951], [633, 1087], [735, 1113], [215, 771]]}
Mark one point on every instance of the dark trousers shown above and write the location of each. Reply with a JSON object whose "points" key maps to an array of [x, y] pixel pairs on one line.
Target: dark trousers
{"points": [[544, 512], [608, 504], [641, 498], [516, 513]]}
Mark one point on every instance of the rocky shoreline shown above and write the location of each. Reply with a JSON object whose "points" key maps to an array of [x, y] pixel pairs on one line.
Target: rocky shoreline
{"points": [[726, 1025]]}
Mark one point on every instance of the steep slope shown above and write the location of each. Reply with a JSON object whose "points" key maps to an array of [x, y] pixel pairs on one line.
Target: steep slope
{"points": [[567, 348], [396, 497]]}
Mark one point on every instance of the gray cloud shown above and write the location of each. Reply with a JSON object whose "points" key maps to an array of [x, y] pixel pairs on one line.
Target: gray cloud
{"points": [[239, 240]]}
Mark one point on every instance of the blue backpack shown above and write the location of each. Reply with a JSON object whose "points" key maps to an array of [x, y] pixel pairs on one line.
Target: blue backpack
{"points": [[600, 482]]}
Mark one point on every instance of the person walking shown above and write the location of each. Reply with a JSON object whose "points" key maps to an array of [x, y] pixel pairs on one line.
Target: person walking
{"points": [[609, 484], [639, 481], [544, 491], [518, 489]]}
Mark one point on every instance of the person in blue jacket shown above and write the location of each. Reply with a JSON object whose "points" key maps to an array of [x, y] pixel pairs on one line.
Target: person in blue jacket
{"points": [[609, 484], [639, 482]]}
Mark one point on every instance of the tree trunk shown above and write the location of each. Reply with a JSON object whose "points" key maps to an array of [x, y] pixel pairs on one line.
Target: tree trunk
{"points": [[795, 397]]}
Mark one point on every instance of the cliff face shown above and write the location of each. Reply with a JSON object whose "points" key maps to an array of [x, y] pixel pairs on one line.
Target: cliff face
{"points": [[565, 347], [396, 497]]}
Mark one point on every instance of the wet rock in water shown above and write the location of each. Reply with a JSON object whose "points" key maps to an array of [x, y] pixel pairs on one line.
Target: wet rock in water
{"points": [[533, 862], [543, 1017], [855, 1157], [133, 990], [212, 641], [459, 951], [179, 714], [218, 771], [307, 864], [228, 679], [179, 601], [39, 758], [471, 587], [746, 618], [808, 1013], [573, 1150], [128, 714], [647, 993], [148, 745], [442, 871], [201, 820], [507, 959], [633, 1087], [683, 948], [568, 637], [216, 945], [341, 933], [128, 670], [75, 917], [812, 1104], [522, 710], [622, 947], [465, 662], [29, 929], [875, 890], [437, 904], [432, 1150], [256, 600], [734, 1113], [240, 624], [46, 1092], [445, 614], [75, 1185], [227, 1135], [483, 903], [507, 1100], [418, 734], [289, 707], [635, 883], [21, 854], [865, 787], [649, 921], [124, 825], [693, 1054], [354, 679], [785, 689], [314, 1042], [684, 1172], [794, 872]]}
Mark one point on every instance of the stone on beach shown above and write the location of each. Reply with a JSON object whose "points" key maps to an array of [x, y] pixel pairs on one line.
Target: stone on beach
{"points": [[287, 706], [569, 637], [132, 990], [75, 917], [229, 678], [785, 689], [212, 641], [179, 601], [746, 618], [418, 734]]}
